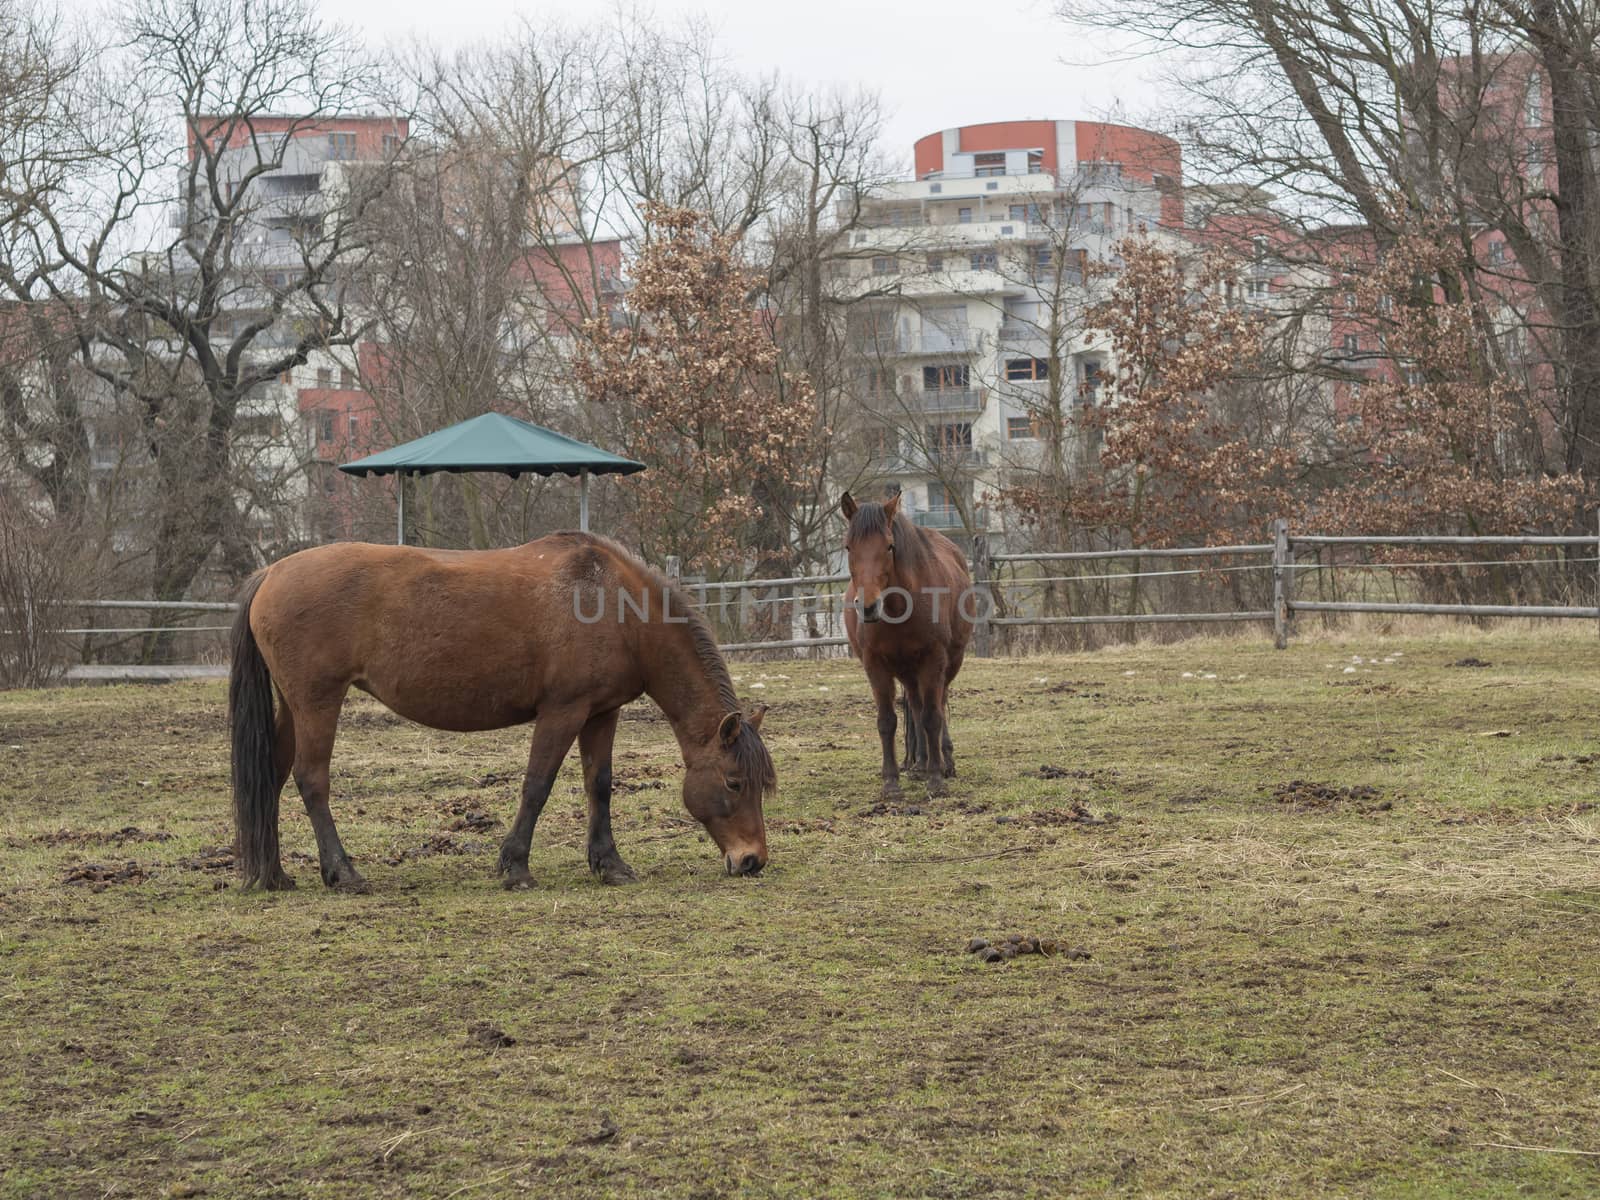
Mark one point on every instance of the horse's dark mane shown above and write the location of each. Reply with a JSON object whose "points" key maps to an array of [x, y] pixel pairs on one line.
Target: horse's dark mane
{"points": [[911, 548], [749, 752]]}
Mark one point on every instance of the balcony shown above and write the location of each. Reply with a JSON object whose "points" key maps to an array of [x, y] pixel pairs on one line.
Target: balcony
{"points": [[949, 517], [942, 341], [945, 457], [949, 400]]}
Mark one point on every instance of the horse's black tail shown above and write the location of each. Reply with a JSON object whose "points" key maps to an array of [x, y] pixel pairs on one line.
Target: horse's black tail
{"points": [[255, 774]]}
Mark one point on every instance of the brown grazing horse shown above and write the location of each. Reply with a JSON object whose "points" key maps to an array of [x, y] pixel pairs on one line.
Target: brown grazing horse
{"points": [[563, 631], [908, 615]]}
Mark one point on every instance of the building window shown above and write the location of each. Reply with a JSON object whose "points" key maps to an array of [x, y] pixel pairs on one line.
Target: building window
{"points": [[1035, 162], [1093, 377], [935, 188], [953, 437], [963, 216], [992, 186], [1018, 212], [1027, 368], [1258, 289], [325, 424], [324, 377], [355, 425], [1043, 258], [1258, 248], [391, 145], [341, 146], [347, 377], [1497, 252], [989, 164], [1352, 343], [935, 262], [885, 264], [287, 379], [985, 260], [1021, 429], [950, 377]]}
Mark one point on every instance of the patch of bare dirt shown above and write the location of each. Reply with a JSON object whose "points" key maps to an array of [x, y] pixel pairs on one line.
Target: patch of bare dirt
{"points": [[487, 1036], [1303, 795], [217, 858], [117, 837], [1075, 814], [467, 816], [1049, 772], [439, 843], [98, 876], [1470, 662], [1016, 945]]}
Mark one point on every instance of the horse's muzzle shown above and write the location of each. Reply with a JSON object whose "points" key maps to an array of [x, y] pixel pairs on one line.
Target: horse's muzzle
{"points": [[749, 864], [872, 612]]}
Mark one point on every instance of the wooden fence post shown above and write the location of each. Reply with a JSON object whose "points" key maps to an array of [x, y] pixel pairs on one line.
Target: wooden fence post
{"points": [[984, 598], [1280, 584]]}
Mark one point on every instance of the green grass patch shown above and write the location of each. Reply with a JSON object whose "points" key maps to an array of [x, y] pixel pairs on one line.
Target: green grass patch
{"points": [[1340, 905]]}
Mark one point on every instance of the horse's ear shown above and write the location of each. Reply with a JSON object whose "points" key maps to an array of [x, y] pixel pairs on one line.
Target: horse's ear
{"points": [[728, 731], [891, 506], [754, 719], [847, 505]]}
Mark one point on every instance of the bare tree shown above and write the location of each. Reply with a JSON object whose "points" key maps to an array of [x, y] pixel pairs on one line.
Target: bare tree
{"points": [[155, 250], [1379, 112]]}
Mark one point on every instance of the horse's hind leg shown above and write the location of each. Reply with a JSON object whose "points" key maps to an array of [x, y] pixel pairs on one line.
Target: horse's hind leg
{"points": [[914, 751], [313, 751], [594, 745], [944, 710], [944, 724]]}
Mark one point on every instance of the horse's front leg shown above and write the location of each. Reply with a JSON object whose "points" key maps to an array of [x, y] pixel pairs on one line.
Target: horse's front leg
{"points": [[552, 738], [594, 744], [883, 693]]}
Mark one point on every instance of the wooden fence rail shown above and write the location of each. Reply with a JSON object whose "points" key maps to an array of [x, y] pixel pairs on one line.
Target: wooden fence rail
{"points": [[1276, 556]]}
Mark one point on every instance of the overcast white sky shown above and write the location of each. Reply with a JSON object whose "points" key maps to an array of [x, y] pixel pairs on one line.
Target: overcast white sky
{"points": [[938, 63]]}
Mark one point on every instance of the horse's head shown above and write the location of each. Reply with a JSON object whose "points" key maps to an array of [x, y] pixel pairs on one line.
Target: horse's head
{"points": [[870, 545], [723, 788]]}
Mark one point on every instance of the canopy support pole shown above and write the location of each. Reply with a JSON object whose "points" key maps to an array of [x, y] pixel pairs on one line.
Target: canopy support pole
{"points": [[400, 524], [583, 500]]}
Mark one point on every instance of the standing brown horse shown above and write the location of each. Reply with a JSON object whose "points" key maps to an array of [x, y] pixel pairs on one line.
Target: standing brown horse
{"points": [[908, 616], [563, 631]]}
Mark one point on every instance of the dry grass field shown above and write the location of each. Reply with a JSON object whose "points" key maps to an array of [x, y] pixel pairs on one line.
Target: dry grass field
{"points": [[1335, 915]]}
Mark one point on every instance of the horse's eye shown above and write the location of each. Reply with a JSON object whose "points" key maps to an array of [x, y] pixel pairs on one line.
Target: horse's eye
{"points": [[733, 784], [891, 547]]}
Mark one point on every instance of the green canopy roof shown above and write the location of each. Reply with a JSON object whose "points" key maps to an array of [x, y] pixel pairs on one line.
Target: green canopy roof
{"points": [[494, 442]]}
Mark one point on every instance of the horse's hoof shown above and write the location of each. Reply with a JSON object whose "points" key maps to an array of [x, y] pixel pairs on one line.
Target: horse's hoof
{"points": [[891, 791], [949, 770], [277, 881], [345, 878], [616, 872], [936, 785], [517, 881]]}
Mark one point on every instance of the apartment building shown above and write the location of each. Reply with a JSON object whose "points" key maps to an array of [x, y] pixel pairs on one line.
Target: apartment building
{"points": [[973, 280]]}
